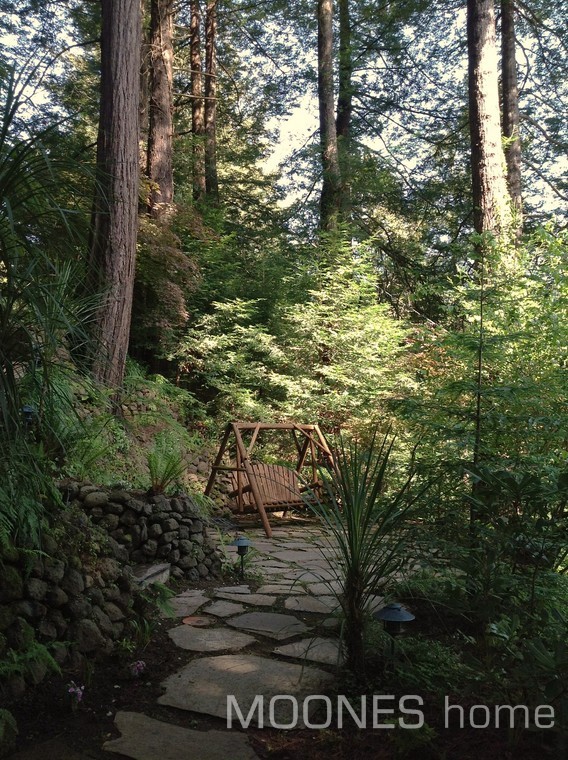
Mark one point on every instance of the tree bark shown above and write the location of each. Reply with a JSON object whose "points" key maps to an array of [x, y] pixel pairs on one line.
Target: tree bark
{"points": [[345, 107], [492, 211], [197, 103], [511, 114], [160, 136], [211, 179], [115, 213], [330, 200], [144, 107]]}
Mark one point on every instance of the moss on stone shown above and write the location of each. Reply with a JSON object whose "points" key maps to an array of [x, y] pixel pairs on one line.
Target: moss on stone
{"points": [[11, 584]]}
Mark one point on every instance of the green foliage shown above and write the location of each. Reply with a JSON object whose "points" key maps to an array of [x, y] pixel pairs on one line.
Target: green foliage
{"points": [[235, 361], [345, 348], [157, 597], [407, 743], [544, 675], [425, 665], [524, 514], [334, 356], [522, 384], [166, 277], [22, 662], [367, 524], [8, 732], [40, 315], [166, 465]]}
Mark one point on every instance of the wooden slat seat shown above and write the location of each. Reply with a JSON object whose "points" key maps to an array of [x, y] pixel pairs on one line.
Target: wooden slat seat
{"points": [[255, 486], [279, 486]]}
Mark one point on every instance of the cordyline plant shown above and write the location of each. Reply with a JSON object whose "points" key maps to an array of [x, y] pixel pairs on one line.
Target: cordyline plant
{"points": [[367, 527]]}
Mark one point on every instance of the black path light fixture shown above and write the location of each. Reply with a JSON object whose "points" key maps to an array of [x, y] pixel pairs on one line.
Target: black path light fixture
{"points": [[243, 545], [29, 414], [393, 616]]}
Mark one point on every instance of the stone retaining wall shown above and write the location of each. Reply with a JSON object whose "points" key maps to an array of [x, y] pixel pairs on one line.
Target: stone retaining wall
{"points": [[79, 594], [152, 529]]}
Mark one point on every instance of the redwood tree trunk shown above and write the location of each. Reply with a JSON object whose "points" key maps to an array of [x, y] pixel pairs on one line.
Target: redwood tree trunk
{"points": [[345, 107], [197, 103], [211, 180], [160, 136], [492, 211], [511, 115], [330, 201], [145, 66], [115, 217]]}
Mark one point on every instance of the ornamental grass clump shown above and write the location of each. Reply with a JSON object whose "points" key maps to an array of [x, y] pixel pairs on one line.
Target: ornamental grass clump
{"points": [[368, 527]]}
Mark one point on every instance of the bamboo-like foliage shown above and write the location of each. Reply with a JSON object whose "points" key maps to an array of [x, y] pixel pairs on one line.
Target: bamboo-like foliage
{"points": [[367, 525], [39, 313]]}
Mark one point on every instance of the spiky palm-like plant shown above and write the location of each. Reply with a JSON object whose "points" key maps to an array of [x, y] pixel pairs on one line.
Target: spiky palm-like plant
{"points": [[367, 526]]}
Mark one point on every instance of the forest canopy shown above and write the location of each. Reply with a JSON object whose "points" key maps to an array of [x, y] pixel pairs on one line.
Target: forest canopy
{"points": [[405, 263]]}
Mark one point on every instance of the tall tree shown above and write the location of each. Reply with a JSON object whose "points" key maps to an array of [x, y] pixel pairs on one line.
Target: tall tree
{"points": [[211, 179], [197, 103], [330, 199], [345, 104], [492, 211], [115, 212], [511, 114], [160, 134], [145, 72]]}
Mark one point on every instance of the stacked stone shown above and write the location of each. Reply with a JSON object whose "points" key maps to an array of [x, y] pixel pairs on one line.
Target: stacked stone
{"points": [[77, 610], [155, 528], [78, 601]]}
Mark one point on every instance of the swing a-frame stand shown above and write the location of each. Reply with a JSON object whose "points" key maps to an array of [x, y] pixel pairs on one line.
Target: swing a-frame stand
{"points": [[269, 487]]}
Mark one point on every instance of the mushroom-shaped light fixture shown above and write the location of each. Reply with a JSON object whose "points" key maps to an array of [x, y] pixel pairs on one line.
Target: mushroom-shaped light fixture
{"points": [[243, 545]]}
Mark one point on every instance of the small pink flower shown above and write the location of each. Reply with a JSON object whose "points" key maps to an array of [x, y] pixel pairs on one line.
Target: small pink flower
{"points": [[137, 668], [75, 693]]}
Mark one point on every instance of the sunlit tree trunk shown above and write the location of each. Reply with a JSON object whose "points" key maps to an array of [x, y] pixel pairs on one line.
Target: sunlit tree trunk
{"points": [[330, 200], [197, 103], [115, 217], [511, 115], [211, 180], [160, 136], [145, 66], [345, 107], [492, 211]]}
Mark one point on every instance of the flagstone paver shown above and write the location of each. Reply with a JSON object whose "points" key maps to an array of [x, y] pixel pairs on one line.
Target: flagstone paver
{"points": [[256, 600], [307, 576], [221, 608], [316, 649], [209, 640], [289, 587], [324, 588], [204, 685], [272, 571], [145, 738], [295, 555], [323, 604], [272, 624], [184, 604]]}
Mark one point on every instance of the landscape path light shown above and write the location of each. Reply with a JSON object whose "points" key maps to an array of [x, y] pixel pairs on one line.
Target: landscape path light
{"points": [[393, 615], [28, 413], [243, 545]]}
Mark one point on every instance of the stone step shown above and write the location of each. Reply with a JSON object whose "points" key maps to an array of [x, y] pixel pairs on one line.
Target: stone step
{"points": [[144, 738], [146, 575]]}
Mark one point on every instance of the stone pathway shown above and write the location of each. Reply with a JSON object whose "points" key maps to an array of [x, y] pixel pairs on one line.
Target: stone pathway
{"points": [[242, 625]]}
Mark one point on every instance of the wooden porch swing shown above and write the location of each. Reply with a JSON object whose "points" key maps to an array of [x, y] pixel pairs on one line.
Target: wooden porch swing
{"points": [[270, 487]]}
